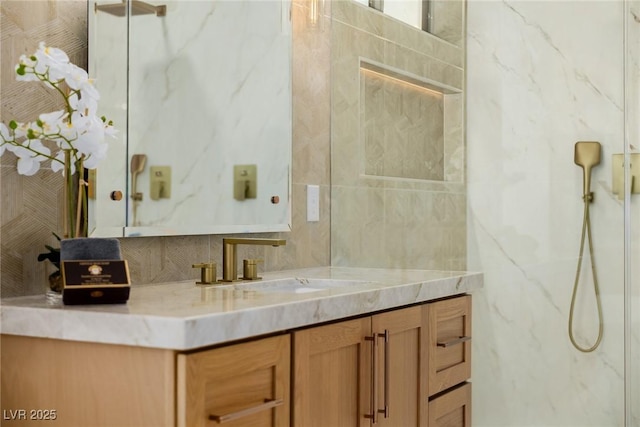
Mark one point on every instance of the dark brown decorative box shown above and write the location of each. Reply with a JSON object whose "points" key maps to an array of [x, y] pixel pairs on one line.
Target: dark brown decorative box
{"points": [[95, 282]]}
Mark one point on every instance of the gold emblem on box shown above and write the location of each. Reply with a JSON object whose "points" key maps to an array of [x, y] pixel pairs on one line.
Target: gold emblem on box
{"points": [[95, 281]]}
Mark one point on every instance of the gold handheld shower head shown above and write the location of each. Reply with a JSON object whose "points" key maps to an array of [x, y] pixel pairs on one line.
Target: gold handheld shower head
{"points": [[138, 162], [587, 155]]}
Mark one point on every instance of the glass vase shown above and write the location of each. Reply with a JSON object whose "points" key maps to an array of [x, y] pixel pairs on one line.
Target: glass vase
{"points": [[53, 292]]}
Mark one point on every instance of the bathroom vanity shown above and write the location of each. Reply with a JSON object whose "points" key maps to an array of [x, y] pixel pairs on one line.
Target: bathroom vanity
{"points": [[314, 347]]}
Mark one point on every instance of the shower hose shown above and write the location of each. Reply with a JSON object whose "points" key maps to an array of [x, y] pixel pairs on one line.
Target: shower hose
{"points": [[586, 231]]}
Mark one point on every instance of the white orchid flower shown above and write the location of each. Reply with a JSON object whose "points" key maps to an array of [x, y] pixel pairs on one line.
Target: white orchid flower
{"points": [[5, 134], [92, 137], [78, 79], [6, 137], [54, 61], [28, 166], [86, 105], [53, 122], [52, 54], [28, 160], [77, 129]]}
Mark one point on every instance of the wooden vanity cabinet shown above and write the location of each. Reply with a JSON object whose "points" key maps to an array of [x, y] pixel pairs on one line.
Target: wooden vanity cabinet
{"points": [[406, 367], [449, 338], [243, 384], [347, 373]]}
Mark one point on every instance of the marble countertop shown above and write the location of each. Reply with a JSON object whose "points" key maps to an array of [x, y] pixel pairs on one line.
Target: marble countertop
{"points": [[183, 315]]}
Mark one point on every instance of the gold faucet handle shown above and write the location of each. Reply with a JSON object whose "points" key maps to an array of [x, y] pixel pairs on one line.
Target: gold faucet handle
{"points": [[207, 273], [250, 269]]}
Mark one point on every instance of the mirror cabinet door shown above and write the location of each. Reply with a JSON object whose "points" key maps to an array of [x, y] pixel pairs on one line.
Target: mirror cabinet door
{"points": [[204, 91]]}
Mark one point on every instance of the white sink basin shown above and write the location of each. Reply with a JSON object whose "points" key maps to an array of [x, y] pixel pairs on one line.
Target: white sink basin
{"points": [[298, 285]]}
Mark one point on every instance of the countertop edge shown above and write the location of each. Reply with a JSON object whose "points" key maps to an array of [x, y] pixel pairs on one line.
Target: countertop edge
{"points": [[191, 332]]}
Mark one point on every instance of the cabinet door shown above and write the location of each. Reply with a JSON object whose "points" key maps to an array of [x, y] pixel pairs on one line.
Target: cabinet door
{"points": [[240, 385], [451, 409], [69, 383], [401, 388], [449, 343], [332, 375]]}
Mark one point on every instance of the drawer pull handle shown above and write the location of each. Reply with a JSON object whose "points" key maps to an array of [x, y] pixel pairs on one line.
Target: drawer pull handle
{"points": [[268, 404], [385, 337], [373, 416], [454, 341]]}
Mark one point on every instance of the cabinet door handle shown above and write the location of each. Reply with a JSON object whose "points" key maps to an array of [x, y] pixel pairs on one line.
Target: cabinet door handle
{"points": [[268, 404], [454, 341], [374, 379], [385, 337]]}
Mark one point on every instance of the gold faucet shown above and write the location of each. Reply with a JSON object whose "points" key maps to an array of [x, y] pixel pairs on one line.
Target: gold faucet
{"points": [[229, 264]]}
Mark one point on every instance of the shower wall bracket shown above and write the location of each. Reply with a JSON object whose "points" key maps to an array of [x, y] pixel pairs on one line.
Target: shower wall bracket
{"points": [[137, 8], [617, 169]]}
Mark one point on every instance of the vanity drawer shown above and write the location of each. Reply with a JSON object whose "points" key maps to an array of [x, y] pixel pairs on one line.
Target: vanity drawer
{"points": [[451, 409], [449, 338], [244, 384]]}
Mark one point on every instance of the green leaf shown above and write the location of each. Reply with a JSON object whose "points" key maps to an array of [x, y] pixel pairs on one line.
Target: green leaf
{"points": [[53, 255]]}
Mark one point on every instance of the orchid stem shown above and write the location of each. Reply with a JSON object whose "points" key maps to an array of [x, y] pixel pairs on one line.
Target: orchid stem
{"points": [[68, 200], [80, 200]]}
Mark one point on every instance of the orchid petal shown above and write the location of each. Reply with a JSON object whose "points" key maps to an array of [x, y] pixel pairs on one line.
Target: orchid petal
{"points": [[5, 134], [76, 77], [43, 151], [28, 166]]}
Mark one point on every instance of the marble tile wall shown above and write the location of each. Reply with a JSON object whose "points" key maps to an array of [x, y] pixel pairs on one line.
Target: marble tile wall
{"points": [[29, 211], [538, 80], [383, 213]]}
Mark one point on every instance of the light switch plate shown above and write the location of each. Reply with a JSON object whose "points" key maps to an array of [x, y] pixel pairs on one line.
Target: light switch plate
{"points": [[313, 203]]}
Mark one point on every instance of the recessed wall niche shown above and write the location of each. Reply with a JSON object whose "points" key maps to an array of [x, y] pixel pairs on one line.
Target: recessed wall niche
{"points": [[403, 124]]}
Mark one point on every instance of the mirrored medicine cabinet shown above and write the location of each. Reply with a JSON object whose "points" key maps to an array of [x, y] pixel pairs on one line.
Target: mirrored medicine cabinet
{"points": [[200, 92]]}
